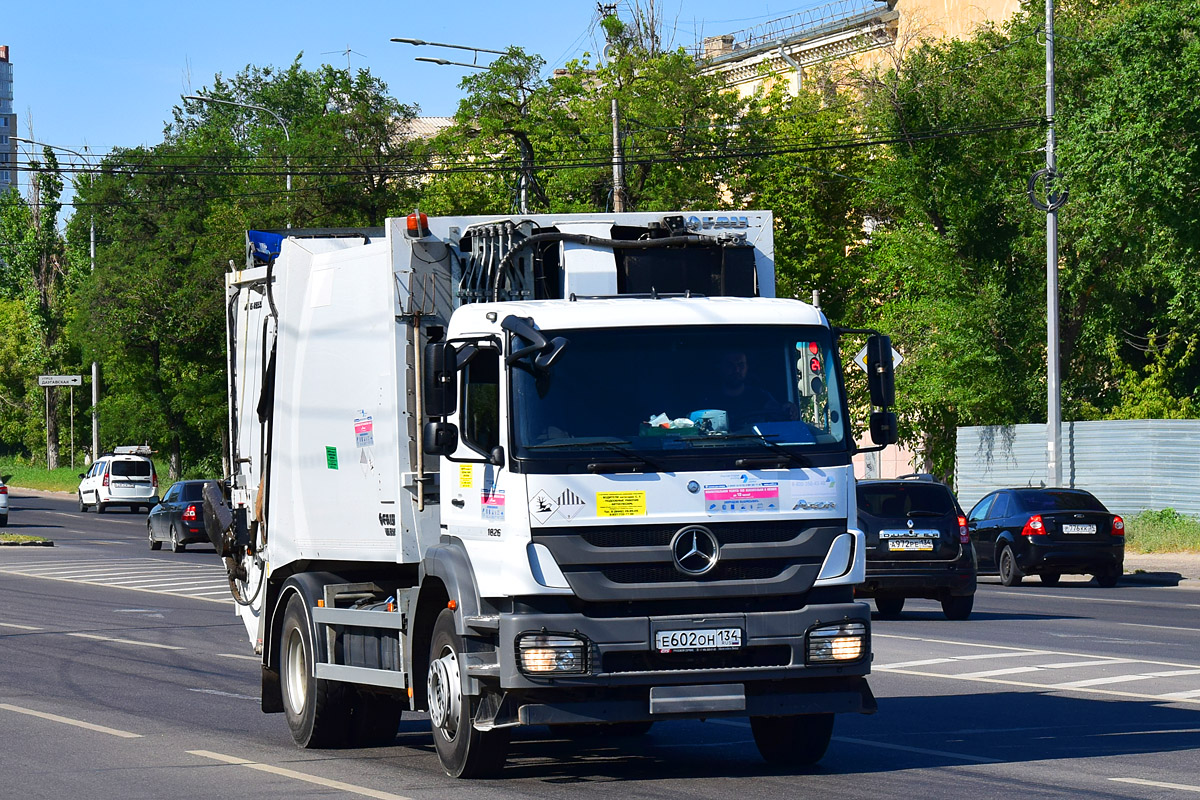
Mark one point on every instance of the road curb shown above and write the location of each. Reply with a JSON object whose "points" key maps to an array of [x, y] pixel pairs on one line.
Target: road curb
{"points": [[27, 544]]}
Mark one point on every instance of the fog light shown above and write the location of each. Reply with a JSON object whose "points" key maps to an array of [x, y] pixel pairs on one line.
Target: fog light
{"points": [[843, 642], [551, 654]]}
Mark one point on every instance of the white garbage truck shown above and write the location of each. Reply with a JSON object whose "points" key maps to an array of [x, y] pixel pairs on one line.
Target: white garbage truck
{"points": [[581, 471]]}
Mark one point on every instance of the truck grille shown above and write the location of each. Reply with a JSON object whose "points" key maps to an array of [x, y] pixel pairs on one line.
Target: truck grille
{"points": [[624, 562], [642, 661]]}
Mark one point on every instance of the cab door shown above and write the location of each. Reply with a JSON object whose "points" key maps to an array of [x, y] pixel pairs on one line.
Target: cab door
{"points": [[982, 533]]}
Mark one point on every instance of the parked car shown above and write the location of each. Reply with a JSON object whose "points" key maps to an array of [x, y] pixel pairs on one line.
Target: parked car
{"points": [[3, 503], [179, 517], [124, 477], [917, 546], [1047, 532]]}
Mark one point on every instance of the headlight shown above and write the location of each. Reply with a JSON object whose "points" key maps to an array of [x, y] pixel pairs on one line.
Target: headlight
{"points": [[846, 641], [551, 654]]}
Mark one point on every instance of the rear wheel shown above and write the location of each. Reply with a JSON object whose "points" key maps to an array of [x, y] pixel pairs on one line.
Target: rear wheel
{"points": [[101, 507], [463, 751], [1010, 573], [176, 545], [1108, 579], [317, 710], [889, 607], [375, 719], [155, 544], [787, 741], [1050, 578], [958, 607]]}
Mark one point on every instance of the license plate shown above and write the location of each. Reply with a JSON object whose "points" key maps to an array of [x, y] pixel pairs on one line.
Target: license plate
{"points": [[1078, 528], [695, 640], [910, 544], [123, 485]]}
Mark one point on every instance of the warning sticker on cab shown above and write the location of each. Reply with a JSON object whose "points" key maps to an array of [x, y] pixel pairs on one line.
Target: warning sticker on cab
{"points": [[620, 504], [735, 499], [466, 474]]}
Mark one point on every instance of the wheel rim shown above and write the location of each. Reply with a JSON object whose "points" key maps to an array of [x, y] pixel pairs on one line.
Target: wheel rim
{"points": [[150, 533], [445, 693], [297, 669], [1006, 564], [174, 537]]}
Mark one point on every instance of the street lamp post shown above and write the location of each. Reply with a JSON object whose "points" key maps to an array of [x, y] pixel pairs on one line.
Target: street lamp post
{"points": [[287, 136], [92, 256]]}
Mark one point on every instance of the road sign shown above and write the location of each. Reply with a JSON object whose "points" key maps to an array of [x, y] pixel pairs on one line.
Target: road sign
{"points": [[861, 359], [60, 380]]}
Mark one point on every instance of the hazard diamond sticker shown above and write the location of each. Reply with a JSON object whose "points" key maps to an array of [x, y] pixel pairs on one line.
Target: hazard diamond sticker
{"points": [[542, 507]]}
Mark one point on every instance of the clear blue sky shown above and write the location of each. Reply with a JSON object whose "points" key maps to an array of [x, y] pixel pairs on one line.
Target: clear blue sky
{"points": [[105, 73]]}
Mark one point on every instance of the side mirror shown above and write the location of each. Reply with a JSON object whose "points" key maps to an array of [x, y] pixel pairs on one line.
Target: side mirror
{"points": [[82, 476], [881, 378], [441, 383], [439, 438], [883, 427]]}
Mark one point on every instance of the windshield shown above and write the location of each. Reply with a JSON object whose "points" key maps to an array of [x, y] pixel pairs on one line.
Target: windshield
{"points": [[654, 392]]}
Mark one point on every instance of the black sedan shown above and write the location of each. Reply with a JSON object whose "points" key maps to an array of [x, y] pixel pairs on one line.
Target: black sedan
{"points": [[179, 517], [1048, 533]]}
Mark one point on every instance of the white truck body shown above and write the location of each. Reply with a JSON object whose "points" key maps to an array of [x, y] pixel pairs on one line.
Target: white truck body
{"points": [[335, 503]]}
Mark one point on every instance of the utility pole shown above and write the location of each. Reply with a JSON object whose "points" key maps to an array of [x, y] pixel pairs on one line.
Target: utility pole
{"points": [[1055, 199], [618, 162]]}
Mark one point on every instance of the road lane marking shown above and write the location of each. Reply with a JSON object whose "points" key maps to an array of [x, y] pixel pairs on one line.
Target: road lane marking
{"points": [[1158, 627], [1123, 678], [1027, 650], [124, 641], [68, 721], [239, 655], [951, 659], [18, 627], [990, 672], [883, 745], [1045, 687], [219, 693], [922, 663], [299, 776], [1098, 660], [1183, 787], [1102, 600], [1181, 695]]}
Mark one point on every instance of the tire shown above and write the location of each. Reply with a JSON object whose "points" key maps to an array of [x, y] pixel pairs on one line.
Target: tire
{"points": [[317, 710], [958, 607], [1050, 578], [604, 730], [1010, 573], [796, 740], [463, 751], [1108, 579], [889, 607], [155, 544], [176, 545], [3, 520], [375, 719], [83, 507], [101, 507]]}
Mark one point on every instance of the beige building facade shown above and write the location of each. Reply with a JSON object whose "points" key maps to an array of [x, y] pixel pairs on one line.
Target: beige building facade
{"points": [[791, 48]]}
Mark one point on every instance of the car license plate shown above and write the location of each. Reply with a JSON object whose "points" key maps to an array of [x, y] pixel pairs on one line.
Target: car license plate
{"points": [[910, 544], [695, 640], [122, 485], [1078, 528]]}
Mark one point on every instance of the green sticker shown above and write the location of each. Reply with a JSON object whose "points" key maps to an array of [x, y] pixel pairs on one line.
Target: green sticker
{"points": [[331, 457]]}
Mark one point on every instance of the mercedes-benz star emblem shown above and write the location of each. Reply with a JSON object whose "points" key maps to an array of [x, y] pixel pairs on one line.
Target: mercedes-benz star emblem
{"points": [[695, 550]]}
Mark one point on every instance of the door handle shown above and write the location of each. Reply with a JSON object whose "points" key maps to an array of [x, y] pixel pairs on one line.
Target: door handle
{"points": [[458, 503]]}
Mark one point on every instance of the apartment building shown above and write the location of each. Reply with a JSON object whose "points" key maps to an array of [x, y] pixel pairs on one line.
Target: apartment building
{"points": [[8, 124]]}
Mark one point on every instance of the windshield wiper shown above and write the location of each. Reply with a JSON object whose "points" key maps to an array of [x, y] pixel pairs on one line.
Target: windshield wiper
{"points": [[786, 455], [632, 457]]}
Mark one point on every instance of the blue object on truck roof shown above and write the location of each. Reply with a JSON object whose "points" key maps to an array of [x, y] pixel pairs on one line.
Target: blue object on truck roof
{"points": [[263, 246]]}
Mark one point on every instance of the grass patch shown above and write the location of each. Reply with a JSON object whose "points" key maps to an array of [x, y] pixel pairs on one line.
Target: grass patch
{"points": [[63, 479], [20, 538], [1165, 531]]}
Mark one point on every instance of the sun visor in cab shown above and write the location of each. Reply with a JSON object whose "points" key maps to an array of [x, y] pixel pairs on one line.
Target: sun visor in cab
{"points": [[714, 271]]}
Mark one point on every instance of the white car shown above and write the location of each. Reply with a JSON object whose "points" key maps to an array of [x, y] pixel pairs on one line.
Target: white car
{"points": [[124, 477], [3, 504]]}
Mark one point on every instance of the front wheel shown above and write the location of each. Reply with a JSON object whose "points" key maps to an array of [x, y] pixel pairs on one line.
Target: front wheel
{"points": [[155, 544], [463, 751], [889, 607], [800, 739], [83, 507], [1010, 573], [958, 607]]}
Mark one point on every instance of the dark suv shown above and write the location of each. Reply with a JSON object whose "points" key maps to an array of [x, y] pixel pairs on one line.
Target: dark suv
{"points": [[917, 546], [1047, 532]]}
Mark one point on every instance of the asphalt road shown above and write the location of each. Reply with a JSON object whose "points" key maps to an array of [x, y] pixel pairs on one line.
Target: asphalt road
{"points": [[126, 675]]}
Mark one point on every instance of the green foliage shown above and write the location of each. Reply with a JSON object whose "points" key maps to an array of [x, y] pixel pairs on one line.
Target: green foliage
{"points": [[1163, 531], [34, 475]]}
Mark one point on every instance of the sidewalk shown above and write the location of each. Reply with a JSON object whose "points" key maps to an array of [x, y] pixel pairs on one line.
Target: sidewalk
{"points": [[1163, 569]]}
